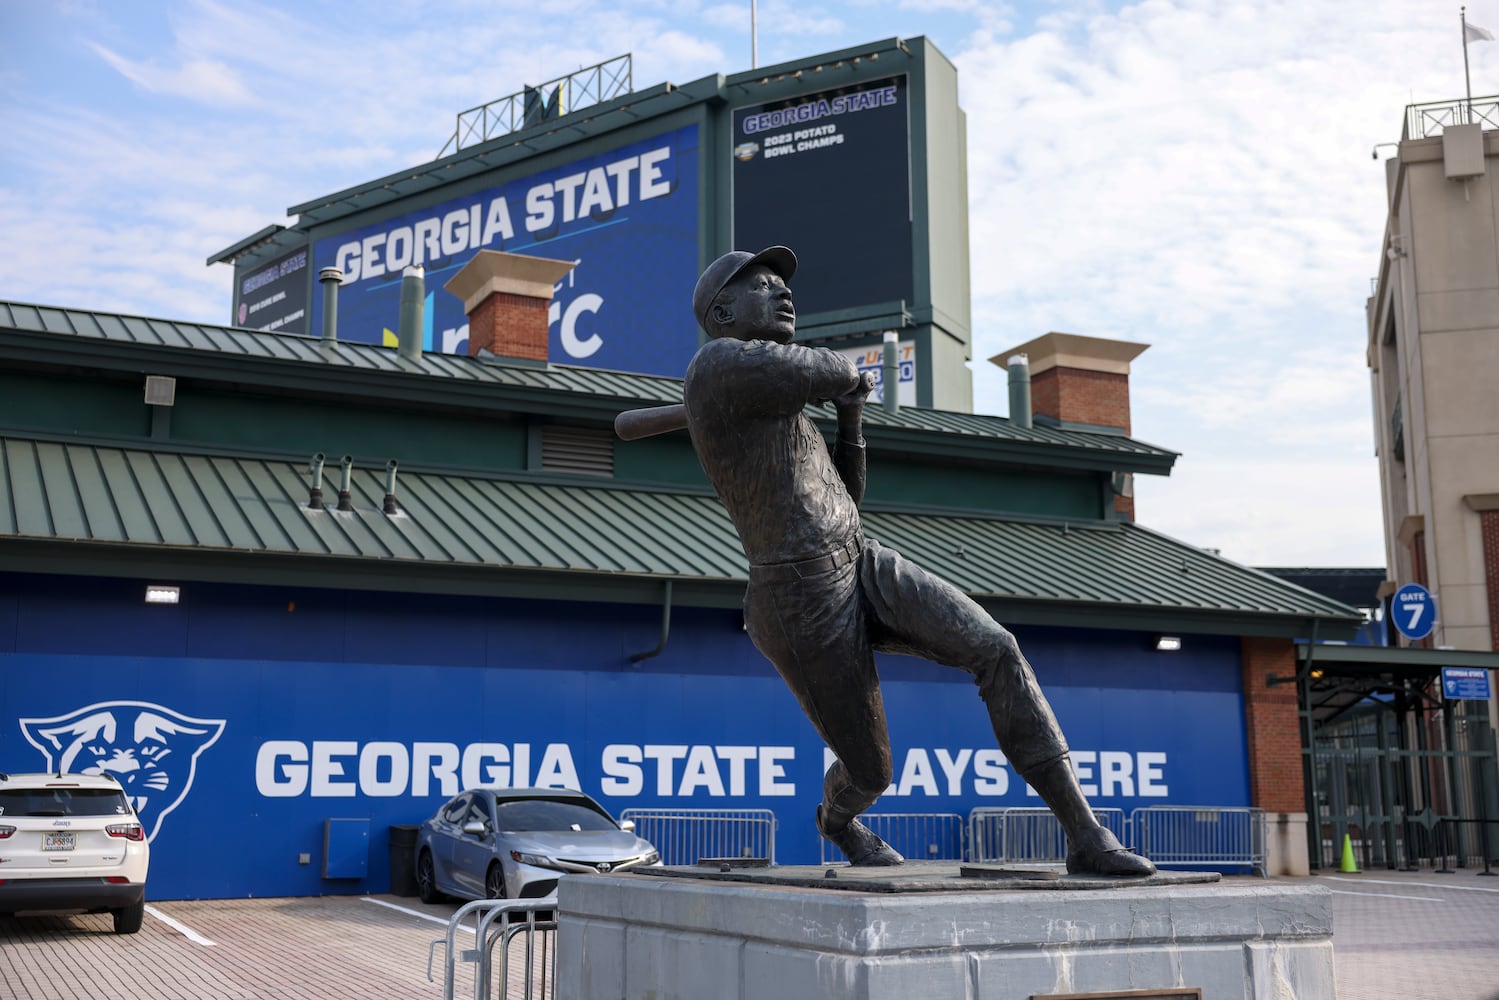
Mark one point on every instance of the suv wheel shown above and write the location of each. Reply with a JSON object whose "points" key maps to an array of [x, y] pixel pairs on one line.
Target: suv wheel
{"points": [[128, 919]]}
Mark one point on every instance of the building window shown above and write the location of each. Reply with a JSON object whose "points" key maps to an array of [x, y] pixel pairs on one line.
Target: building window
{"points": [[1397, 432]]}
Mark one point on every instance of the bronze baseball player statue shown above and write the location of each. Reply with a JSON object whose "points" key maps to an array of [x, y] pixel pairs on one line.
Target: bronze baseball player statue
{"points": [[822, 598]]}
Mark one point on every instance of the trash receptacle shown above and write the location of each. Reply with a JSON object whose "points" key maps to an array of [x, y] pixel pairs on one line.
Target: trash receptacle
{"points": [[402, 862]]}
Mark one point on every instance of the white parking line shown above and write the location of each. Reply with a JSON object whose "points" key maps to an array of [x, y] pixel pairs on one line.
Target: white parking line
{"points": [[1385, 895], [414, 913], [1424, 885], [181, 928]]}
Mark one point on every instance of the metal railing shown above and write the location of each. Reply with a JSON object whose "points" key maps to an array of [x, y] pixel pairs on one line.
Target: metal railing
{"points": [[1422, 121], [523, 940], [1030, 835], [917, 836], [1201, 835], [687, 836], [593, 85]]}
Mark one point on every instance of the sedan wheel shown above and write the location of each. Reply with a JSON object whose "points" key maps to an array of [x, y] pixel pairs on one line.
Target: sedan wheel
{"points": [[128, 919], [494, 882], [426, 879]]}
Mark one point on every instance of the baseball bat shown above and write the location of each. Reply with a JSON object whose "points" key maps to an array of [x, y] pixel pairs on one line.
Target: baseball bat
{"points": [[631, 425]]}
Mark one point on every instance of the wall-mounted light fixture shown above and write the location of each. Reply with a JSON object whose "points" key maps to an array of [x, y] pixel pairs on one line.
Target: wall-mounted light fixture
{"points": [[161, 390], [1168, 643], [161, 396], [158, 593]]}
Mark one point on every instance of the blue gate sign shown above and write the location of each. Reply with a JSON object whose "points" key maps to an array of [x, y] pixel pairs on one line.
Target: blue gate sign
{"points": [[1414, 611], [1465, 683]]}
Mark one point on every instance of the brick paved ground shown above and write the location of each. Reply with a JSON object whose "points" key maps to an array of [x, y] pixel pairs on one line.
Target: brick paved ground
{"points": [[1397, 936], [331, 948], [1415, 935]]}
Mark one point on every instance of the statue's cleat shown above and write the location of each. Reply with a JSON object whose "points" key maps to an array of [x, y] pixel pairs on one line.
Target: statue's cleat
{"points": [[1100, 853], [861, 845]]}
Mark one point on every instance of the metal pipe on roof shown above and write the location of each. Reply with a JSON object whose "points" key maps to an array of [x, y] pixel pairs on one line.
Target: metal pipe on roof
{"points": [[315, 494], [390, 488], [890, 373], [344, 503], [413, 307], [330, 278], [1020, 390], [665, 629]]}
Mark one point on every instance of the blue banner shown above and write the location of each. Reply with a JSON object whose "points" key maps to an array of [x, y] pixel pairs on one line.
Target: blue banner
{"points": [[628, 217], [242, 750]]}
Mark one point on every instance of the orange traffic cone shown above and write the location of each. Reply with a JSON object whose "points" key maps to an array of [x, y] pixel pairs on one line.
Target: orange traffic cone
{"points": [[1348, 866]]}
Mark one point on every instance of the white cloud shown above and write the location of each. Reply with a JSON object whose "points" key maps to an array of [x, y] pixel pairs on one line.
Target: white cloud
{"points": [[207, 81], [1186, 173]]}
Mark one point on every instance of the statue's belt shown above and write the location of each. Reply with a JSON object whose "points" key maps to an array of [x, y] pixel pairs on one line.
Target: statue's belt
{"points": [[836, 559]]}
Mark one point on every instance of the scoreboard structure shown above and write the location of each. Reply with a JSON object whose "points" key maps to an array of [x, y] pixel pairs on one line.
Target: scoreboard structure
{"points": [[855, 159]]}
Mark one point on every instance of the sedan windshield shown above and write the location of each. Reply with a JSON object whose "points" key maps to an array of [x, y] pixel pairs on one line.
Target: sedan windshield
{"points": [[550, 814]]}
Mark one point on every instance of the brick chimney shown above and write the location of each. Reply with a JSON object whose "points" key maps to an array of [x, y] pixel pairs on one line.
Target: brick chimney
{"points": [[506, 297], [1081, 381]]}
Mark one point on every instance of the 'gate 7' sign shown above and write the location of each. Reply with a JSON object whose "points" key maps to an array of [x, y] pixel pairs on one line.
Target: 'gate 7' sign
{"points": [[1414, 611]]}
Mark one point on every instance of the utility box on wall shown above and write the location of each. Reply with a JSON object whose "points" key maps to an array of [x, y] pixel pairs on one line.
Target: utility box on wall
{"points": [[346, 848], [1462, 151]]}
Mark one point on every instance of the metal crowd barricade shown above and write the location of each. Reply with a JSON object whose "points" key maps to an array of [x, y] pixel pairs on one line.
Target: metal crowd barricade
{"points": [[522, 938], [918, 836], [686, 836], [1029, 835], [1201, 835]]}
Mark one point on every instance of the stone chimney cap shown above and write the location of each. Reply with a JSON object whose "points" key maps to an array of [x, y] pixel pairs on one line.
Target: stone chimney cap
{"points": [[1073, 350], [493, 271]]}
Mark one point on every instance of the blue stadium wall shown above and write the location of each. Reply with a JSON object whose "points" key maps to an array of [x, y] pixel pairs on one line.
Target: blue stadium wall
{"points": [[245, 717]]}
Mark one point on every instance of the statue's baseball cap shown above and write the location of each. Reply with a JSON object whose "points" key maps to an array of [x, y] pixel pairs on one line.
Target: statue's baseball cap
{"points": [[723, 270]]}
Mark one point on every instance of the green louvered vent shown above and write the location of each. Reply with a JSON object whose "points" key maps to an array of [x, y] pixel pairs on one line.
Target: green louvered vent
{"points": [[583, 451]]}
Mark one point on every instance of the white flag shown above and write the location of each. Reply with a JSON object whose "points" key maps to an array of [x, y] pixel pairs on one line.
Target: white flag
{"points": [[1473, 33]]}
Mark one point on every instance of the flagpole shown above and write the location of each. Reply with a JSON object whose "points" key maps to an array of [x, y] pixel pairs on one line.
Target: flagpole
{"points": [[755, 40], [1468, 80]]}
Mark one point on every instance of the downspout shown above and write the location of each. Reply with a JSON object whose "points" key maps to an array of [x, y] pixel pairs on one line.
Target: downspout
{"points": [[665, 629]]}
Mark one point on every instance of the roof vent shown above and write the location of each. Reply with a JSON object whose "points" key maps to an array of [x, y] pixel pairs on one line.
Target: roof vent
{"points": [[1020, 390], [582, 451]]}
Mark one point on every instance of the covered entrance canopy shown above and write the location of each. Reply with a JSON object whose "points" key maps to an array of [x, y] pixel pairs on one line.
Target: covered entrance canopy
{"points": [[1392, 765], [1338, 678]]}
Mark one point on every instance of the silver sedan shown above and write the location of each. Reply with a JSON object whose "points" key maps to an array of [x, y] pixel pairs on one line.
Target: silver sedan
{"points": [[514, 843]]}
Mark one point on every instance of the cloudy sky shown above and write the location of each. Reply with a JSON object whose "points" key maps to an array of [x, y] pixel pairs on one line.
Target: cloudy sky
{"points": [[1191, 174]]}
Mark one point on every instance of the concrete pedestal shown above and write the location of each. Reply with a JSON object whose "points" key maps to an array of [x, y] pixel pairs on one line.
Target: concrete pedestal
{"points": [[806, 937]]}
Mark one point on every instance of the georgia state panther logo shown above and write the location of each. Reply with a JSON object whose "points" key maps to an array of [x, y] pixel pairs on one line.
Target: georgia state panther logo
{"points": [[152, 750]]}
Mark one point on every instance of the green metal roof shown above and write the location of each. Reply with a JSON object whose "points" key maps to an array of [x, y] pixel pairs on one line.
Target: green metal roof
{"points": [[46, 333], [69, 507]]}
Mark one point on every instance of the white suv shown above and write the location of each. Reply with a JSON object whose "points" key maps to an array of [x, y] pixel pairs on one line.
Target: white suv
{"points": [[72, 842]]}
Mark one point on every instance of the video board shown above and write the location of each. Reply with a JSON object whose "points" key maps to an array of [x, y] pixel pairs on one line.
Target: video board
{"points": [[274, 297], [829, 174]]}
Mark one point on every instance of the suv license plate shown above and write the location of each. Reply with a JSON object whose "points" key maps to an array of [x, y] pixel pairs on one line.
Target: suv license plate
{"points": [[57, 841]]}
